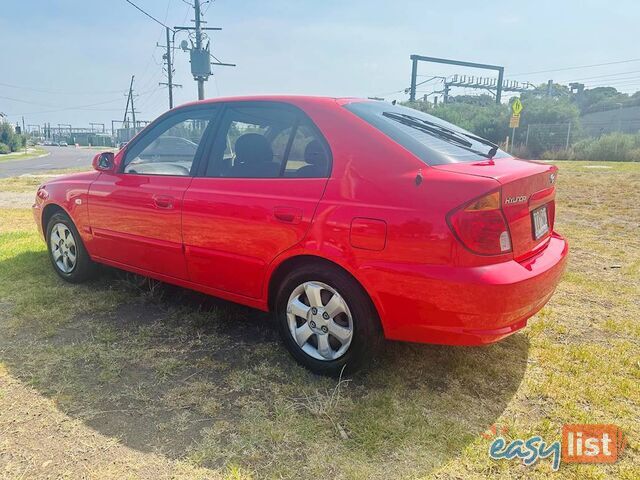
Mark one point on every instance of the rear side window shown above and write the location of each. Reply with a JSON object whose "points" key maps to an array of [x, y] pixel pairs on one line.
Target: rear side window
{"points": [[306, 156], [268, 141], [432, 140]]}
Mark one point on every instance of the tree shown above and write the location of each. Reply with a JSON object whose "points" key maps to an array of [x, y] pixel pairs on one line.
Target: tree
{"points": [[600, 98], [489, 121], [10, 138]]}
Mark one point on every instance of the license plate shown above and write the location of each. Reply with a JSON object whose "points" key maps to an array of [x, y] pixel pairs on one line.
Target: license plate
{"points": [[540, 222]]}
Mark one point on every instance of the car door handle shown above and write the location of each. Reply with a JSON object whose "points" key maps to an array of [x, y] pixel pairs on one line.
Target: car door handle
{"points": [[163, 201], [288, 214]]}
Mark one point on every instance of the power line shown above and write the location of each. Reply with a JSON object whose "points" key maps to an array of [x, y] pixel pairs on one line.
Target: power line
{"points": [[152, 57], [613, 76], [62, 109], [148, 14], [577, 67], [57, 92]]}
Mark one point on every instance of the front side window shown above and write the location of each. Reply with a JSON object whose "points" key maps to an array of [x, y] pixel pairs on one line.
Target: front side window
{"points": [[268, 141], [170, 148], [432, 140]]}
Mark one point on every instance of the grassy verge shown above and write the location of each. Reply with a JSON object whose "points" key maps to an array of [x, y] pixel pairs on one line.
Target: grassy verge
{"points": [[31, 152], [30, 182], [114, 379], [99, 148]]}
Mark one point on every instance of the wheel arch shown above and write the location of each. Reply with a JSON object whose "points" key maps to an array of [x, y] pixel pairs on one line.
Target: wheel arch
{"points": [[48, 212], [291, 263]]}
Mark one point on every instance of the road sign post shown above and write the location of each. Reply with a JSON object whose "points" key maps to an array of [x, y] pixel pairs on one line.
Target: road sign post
{"points": [[514, 121]]}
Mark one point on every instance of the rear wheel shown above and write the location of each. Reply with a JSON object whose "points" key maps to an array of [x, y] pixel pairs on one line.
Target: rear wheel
{"points": [[68, 256], [327, 320]]}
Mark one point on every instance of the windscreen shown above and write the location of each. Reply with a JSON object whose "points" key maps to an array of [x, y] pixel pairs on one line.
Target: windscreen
{"points": [[432, 140]]}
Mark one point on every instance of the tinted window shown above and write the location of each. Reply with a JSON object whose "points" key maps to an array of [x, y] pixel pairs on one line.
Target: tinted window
{"points": [[267, 141], [422, 134], [170, 147]]}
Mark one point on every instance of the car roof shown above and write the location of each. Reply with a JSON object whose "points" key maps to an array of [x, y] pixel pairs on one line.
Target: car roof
{"points": [[294, 99]]}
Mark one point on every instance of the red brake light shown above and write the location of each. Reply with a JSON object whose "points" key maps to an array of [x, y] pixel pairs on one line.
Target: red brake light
{"points": [[481, 226]]}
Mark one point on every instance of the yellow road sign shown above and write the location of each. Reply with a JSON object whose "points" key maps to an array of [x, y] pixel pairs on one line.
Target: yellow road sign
{"points": [[514, 122], [516, 106]]}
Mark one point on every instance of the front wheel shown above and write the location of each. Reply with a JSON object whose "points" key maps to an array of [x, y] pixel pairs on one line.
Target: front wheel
{"points": [[68, 256], [327, 320]]}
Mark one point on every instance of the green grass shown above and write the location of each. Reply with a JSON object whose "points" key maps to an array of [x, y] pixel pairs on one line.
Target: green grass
{"points": [[32, 152], [29, 183], [160, 382]]}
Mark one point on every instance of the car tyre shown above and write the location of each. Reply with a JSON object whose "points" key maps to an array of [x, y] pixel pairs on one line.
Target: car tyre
{"points": [[316, 327], [67, 252]]}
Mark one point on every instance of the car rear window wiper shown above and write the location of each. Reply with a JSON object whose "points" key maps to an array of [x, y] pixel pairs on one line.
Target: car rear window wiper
{"points": [[444, 133]]}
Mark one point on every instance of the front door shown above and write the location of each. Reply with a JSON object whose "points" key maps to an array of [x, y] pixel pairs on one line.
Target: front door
{"points": [[136, 213], [255, 197]]}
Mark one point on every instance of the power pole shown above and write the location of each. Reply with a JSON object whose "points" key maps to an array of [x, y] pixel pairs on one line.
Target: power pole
{"points": [[169, 72], [167, 57], [126, 110], [130, 98], [200, 79], [200, 55], [133, 110]]}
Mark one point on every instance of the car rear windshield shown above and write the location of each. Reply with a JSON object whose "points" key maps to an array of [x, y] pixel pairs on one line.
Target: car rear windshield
{"points": [[432, 140]]}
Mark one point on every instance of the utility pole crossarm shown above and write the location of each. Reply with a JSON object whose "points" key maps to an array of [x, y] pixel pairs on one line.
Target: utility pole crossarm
{"points": [[200, 56]]}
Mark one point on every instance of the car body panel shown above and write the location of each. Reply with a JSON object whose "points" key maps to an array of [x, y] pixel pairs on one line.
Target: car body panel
{"points": [[234, 228], [136, 220], [230, 236], [69, 193]]}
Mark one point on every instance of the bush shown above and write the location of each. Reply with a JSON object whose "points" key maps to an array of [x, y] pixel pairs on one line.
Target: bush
{"points": [[488, 121], [520, 151], [634, 155], [624, 147], [559, 154], [4, 148], [16, 142], [10, 138]]}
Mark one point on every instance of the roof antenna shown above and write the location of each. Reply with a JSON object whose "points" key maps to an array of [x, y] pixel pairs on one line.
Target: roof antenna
{"points": [[393, 102]]}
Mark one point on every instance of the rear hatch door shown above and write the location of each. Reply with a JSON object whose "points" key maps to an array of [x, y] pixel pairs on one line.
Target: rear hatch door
{"points": [[528, 198]]}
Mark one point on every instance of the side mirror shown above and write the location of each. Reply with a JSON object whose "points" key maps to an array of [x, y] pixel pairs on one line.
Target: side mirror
{"points": [[104, 162]]}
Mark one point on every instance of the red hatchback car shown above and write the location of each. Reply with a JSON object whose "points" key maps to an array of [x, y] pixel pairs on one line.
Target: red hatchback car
{"points": [[351, 220]]}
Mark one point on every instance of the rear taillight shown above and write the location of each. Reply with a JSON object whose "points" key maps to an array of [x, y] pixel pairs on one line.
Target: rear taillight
{"points": [[481, 226]]}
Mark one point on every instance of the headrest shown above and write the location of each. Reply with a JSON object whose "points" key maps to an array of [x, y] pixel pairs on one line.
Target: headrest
{"points": [[253, 148], [315, 154]]}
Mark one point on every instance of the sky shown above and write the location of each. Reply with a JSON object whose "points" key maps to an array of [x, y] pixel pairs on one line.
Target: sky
{"points": [[71, 61]]}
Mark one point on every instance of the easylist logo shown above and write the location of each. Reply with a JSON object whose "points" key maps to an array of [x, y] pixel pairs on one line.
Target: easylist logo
{"points": [[581, 443]]}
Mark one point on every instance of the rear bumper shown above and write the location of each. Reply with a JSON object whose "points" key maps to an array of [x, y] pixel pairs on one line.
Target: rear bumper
{"points": [[466, 306]]}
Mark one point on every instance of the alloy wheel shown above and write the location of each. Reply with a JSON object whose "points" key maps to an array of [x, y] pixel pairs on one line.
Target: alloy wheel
{"points": [[63, 248], [319, 321]]}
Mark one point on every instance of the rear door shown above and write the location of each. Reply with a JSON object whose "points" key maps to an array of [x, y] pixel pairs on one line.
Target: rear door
{"points": [[136, 213], [255, 197]]}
